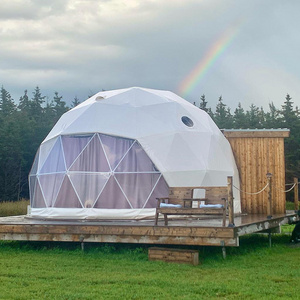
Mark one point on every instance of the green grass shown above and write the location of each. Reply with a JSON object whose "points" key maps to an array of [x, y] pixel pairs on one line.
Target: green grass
{"points": [[16, 208], [42, 270], [290, 205], [62, 271]]}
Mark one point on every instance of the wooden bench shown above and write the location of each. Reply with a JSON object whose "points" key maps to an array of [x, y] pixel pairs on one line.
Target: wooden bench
{"points": [[190, 205]]}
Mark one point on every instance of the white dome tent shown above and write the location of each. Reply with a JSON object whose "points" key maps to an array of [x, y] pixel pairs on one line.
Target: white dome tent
{"points": [[112, 155]]}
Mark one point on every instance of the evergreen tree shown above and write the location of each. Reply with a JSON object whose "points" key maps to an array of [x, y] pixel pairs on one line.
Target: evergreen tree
{"points": [[289, 119], [36, 103], [222, 116], [75, 102], [239, 117], [289, 116], [24, 103], [271, 117], [252, 117], [210, 112], [7, 105], [59, 106], [203, 103]]}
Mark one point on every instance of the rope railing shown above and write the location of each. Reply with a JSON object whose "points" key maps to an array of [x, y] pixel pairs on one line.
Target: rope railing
{"points": [[286, 191], [270, 191], [294, 183], [254, 193]]}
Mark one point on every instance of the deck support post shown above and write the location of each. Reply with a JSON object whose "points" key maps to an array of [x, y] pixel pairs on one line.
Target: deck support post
{"points": [[230, 202], [81, 239], [269, 204], [223, 249], [296, 194], [270, 239]]}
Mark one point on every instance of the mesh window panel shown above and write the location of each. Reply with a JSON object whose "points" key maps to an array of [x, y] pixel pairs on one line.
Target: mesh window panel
{"points": [[161, 190], [136, 160], [55, 161], [35, 165], [32, 183], [92, 159], [137, 187], [115, 148], [67, 197], [88, 187], [112, 196], [50, 185], [73, 145], [44, 151], [38, 199]]}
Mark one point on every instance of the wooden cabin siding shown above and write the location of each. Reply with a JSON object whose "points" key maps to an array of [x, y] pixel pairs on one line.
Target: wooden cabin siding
{"points": [[258, 153]]}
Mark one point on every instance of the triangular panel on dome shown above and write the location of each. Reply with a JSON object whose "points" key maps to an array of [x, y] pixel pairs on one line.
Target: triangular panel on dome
{"points": [[44, 151], [136, 160], [137, 186], [67, 197], [73, 145], [32, 183], [161, 190], [50, 184], [35, 165], [38, 198], [115, 148], [92, 158], [112, 197], [55, 161], [88, 187]]}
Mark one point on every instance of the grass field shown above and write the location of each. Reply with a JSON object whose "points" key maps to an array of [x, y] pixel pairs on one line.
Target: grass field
{"points": [[63, 271], [40, 270]]}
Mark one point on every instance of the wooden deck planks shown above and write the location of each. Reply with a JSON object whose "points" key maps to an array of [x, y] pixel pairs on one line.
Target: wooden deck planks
{"points": [[201, 232]]}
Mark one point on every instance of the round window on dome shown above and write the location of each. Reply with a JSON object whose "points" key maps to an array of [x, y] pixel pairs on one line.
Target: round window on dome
{"points": [[187, 121]]}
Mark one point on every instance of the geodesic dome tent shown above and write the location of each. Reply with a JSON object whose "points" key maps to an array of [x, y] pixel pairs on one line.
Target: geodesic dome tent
{"points": [[113, 154]]}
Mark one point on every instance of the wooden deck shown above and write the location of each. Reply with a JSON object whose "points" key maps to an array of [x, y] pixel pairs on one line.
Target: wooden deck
{"points": [[204, 231]]}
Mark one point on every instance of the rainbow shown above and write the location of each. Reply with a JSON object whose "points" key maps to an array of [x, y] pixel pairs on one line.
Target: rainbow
{"points": [[214, 52]]}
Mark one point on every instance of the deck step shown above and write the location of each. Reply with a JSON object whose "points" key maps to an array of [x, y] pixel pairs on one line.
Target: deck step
{"points": [[186, 256]]}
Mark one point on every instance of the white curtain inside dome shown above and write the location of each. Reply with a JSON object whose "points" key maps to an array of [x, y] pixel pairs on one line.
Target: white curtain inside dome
{"points": [[95, 171]]}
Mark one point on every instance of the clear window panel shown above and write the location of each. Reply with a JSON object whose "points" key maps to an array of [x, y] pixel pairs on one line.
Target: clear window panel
{"points": [[92, 159], [112, 196], [115, 148], [73, 145], [55, 161], [161, 190], [67, 197], [88, 187], [136, 160], [45, 149], [50, 185], [38, 199], [32, 183], [35, 165], [137, 187]]}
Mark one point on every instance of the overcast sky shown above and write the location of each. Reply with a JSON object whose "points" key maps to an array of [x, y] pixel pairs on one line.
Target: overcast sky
{"points": [[79, 47]]}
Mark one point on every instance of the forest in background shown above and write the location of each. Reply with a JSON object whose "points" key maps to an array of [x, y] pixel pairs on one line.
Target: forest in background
{"points": [[25, 124]]}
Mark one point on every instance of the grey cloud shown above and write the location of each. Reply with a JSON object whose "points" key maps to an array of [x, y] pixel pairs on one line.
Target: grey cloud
{"points": [[80, 46]]}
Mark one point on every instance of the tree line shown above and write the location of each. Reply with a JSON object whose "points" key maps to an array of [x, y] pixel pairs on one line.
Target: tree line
{"points": [[24, 125]]}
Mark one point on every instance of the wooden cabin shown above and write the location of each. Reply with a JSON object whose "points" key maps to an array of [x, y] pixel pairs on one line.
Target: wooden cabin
{"points": [[258, 152]]}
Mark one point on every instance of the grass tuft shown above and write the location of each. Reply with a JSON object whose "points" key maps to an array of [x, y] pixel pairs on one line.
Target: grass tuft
{"points": [[13, 208]]}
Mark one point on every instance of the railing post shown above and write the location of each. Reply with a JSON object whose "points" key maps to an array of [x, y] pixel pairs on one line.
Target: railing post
{"points": [[230, 202], [296, 195], [269, 204]]}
